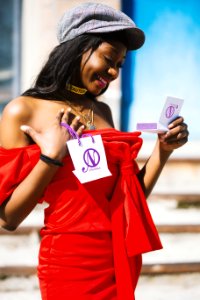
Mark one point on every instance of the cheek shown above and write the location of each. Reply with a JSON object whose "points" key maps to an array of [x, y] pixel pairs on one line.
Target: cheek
{"points": [[93, 64], [89, 70]]}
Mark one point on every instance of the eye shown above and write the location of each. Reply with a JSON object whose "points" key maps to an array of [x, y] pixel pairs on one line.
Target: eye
{"points": [[108, 60], [112, 63]]}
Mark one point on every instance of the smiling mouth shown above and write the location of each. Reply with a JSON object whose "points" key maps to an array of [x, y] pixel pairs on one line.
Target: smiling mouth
{"points": [[102, 82]]}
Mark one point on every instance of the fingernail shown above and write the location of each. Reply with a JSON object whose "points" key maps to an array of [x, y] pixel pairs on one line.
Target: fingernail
{"points": [[23, 127], [170, 125], [167, 134]]}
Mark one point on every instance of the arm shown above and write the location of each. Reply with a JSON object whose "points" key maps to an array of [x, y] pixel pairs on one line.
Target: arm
{"points": [[51, 142], [176, 137]]}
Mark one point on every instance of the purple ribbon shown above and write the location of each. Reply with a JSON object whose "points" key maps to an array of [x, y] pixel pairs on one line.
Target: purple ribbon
{"points": [[74, 134]]}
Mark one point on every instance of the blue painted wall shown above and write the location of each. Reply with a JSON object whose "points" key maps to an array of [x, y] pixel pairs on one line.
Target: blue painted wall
{"points": [[168, 63], [127, 74]]}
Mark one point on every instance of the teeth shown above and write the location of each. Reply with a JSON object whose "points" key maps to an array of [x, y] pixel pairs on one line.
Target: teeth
{"points": [[102, 80]]}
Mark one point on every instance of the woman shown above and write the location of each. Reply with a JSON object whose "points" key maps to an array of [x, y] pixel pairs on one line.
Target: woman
{"points": [[94, 233]]}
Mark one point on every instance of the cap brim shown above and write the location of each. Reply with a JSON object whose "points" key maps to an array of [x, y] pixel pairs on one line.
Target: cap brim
{"points": [[133, 36]]}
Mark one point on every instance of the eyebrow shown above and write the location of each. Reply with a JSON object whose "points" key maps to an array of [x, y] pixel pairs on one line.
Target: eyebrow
{"points": [[116, 52]]}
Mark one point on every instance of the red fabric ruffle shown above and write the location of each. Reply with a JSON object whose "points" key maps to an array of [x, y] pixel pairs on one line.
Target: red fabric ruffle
{"points": [[15, 165]]}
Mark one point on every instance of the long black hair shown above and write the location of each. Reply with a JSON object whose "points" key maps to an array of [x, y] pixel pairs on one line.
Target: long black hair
{"points": [[64, 63]]}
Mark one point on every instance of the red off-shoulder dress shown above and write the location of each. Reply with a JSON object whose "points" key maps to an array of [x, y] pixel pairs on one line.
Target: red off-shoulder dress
{"points": [[94, 233]]}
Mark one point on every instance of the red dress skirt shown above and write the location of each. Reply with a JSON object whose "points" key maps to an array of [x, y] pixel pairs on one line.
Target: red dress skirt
{"points": [[94, 233]]}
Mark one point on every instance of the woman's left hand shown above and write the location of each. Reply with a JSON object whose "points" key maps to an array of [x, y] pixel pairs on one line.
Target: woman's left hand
{"points": [[176, 137]]}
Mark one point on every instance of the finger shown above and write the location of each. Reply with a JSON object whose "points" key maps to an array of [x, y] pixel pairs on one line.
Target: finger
{"points": [[60, 115], [176, 138], [175, 131], [80, 130], [182, 128], [182, 134], [65, 116], [178, 143], [176, 122], [183, 141], [30, 131]]}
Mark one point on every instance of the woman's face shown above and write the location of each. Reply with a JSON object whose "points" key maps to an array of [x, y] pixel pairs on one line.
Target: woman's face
{"points": [[102, 66]]}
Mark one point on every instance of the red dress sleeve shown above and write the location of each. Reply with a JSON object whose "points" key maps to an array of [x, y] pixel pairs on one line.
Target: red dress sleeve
{"points": [[15, 165]]}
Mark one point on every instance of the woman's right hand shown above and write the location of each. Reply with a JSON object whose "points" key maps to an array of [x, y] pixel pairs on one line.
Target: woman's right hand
{"points": [[52, 141]]}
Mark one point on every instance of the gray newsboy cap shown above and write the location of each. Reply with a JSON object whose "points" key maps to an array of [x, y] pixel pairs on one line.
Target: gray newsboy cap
{"points": [[98, 18]]}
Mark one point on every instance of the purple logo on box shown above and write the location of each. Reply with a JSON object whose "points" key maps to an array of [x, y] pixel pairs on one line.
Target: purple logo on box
{"points": [[91, 158], [170, 111]]}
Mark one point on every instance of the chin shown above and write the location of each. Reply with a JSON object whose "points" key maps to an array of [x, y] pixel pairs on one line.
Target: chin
{"points": [[97, 92], [103, 91]]}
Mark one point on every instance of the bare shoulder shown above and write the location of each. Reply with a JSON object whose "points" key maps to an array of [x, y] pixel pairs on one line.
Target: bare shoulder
{"points": [[20, 107], [16, 113], [106, 112]]}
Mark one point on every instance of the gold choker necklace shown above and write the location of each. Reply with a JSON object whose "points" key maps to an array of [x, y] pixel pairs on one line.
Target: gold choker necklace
{"points": [[75, 89]]}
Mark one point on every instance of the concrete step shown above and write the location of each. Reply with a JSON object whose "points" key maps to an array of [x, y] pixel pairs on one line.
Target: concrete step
{"points": [[191, 198], [19, 251], [170, 268], [166, 212], [177, 248], [165, 287], [23, 288]]}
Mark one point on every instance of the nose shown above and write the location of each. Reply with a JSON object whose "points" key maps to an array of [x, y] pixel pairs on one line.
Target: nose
{"points": [[113, 72]]}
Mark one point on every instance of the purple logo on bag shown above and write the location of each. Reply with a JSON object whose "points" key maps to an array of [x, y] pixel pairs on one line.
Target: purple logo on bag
{"points": [[91, 158], [170, 111]]}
